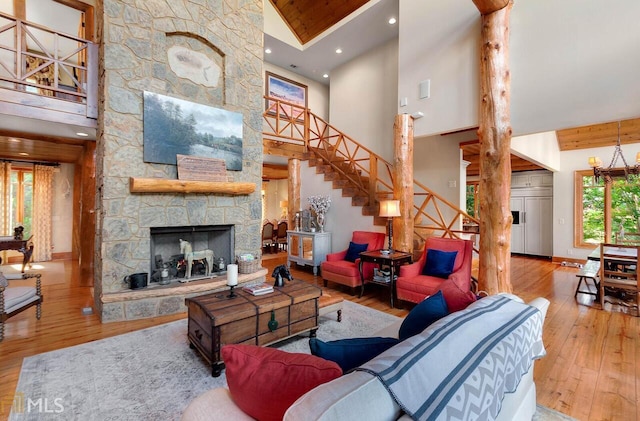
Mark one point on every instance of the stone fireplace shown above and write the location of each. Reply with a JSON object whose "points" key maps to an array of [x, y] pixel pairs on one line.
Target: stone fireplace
{"points": [[136, 44]]}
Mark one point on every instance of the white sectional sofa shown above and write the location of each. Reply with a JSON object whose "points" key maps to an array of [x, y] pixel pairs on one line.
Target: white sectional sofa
{"points": [[362, 395]]}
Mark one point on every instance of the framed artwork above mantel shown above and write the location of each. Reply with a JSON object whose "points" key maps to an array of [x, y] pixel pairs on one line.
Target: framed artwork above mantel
{"points": [[286, 90]]}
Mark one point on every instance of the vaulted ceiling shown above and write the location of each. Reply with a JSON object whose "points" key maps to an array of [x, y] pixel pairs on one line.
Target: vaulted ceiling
{"points": [[309, 18]]}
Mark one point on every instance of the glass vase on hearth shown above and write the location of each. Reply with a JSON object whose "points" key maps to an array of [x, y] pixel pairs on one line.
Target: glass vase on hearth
{"points": [[320, 221]]}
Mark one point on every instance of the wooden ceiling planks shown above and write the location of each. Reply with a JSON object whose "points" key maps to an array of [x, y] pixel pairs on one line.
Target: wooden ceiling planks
{"points": [[309, 18], [471, 154], [599, 135], [39, 150]]}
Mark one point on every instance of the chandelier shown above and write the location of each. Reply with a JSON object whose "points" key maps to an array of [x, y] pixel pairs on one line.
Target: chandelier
{"points": [[611, 172]]}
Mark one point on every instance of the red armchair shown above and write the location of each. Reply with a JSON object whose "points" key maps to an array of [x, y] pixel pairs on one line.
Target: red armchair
{"points": [[336, 269], [414, 287]]}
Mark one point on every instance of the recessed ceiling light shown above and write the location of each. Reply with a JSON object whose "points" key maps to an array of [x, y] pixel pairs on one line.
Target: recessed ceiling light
{"points": [[23, 154], [81, 134], [392, 21], [326, 75], [338, 50], [267, 50], [13, 139]]}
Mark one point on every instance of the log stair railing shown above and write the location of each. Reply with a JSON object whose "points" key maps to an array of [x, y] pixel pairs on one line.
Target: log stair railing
{"points": [[359, 172]]}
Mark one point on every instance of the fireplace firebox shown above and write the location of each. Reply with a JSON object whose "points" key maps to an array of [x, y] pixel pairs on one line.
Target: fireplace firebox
{"points": [[168, 264]]}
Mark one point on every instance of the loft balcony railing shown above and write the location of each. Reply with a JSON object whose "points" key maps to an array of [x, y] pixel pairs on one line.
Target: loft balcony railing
{"points": [[291, 124], [37, 60]]}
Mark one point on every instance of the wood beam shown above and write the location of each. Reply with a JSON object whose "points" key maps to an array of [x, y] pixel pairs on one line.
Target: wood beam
{"points": [[285, 149], [274, 172], [403, 181], [161, 185], [495, 145]]}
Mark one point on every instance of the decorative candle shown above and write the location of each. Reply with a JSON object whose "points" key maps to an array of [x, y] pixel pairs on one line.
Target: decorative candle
{"points": [[232, 275]]}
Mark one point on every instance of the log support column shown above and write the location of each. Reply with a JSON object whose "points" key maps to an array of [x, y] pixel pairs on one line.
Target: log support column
{"points": [[403, 182], [293, 193], [495, 148]]}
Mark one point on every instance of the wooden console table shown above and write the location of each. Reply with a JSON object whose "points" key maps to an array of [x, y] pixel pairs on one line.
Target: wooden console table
{"points": [[23, 246]]}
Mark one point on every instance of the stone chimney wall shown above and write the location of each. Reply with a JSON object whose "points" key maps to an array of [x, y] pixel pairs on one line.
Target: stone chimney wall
{"points": [[143, 47]]}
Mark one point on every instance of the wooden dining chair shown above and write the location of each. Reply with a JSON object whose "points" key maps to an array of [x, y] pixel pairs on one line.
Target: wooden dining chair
{"points": [[619, 269], [631, 238]]}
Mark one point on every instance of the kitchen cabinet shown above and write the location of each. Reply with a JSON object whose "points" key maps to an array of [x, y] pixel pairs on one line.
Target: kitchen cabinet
{"points": [[308, 248], [532, 179]]}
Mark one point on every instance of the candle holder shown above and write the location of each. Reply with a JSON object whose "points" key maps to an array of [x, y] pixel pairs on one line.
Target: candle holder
{"points": [[232, 279]]}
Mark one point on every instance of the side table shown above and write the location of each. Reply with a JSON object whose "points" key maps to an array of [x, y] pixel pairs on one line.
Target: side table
{"points": [[393, 260]]}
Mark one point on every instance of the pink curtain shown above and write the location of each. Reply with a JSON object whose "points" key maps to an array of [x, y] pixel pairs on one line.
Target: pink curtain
{"points": [[42, 203], [5, 198]]}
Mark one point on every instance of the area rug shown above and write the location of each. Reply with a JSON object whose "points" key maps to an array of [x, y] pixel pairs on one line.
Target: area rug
{"points": [[152, 374]]}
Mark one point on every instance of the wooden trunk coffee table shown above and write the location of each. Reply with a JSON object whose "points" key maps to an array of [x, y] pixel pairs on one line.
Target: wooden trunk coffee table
{"points": [[216, 320]]}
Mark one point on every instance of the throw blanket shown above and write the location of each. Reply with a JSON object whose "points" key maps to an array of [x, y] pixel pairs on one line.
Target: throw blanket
{"points": [[460, 367]]}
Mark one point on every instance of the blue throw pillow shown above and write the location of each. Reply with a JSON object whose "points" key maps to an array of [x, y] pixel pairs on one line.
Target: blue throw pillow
{"points": [[354, 250], [431, 309], [351, 353], [439, 263]]}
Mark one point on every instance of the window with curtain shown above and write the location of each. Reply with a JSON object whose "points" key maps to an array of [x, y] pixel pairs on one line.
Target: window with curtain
{"points": [[603, 208], [21, 198]]}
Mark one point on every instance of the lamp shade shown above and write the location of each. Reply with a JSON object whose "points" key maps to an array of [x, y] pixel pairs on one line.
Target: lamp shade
{"points": [[284, 203], [595, 162], [389, 208]]}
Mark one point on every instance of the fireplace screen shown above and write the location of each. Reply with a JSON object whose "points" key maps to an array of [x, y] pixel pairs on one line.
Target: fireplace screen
{"points": [[190, 252]]}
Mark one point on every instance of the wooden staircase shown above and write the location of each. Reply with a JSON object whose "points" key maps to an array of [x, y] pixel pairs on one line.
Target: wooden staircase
{"points": [[361, 174]]}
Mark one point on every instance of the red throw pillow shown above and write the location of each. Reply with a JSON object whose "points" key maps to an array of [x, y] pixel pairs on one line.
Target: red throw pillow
{"points": [[264, 382], [457, 299]]}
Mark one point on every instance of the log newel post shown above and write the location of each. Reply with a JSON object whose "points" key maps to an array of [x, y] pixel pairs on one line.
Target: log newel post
{"points": [[403, 181], [293, 192], [495, 148]]}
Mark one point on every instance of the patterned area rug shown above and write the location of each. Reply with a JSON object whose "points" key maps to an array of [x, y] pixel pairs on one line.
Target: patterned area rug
{"points": [[152, 374]]}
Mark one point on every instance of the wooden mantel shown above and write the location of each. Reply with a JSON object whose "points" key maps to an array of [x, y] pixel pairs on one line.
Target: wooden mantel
{"points": [[161, 185]]}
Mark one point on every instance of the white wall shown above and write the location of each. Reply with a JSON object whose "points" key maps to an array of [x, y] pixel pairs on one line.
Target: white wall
{"points": [[342, 218], [62, 209], [540, 148], [438, 40], [437, 163], [572, 63], [364, 98], [563, 196]]}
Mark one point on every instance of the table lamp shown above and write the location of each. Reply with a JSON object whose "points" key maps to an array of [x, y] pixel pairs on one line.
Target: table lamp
{"points": [[390, 209]]}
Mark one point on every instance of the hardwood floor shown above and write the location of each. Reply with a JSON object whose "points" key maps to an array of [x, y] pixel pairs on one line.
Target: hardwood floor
{"points": [[591, 371]]}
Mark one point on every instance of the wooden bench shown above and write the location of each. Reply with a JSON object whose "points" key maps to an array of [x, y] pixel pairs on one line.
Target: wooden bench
{"points": [[590, 271], [330, 303]]}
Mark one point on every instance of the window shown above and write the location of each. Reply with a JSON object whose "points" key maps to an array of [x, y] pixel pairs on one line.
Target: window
{"points": [[21, 198], [472, 198], [602, 209]]}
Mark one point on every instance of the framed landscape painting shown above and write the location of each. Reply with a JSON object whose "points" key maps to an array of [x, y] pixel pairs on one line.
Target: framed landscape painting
{"points": [[286, 90], [173, 126]]}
